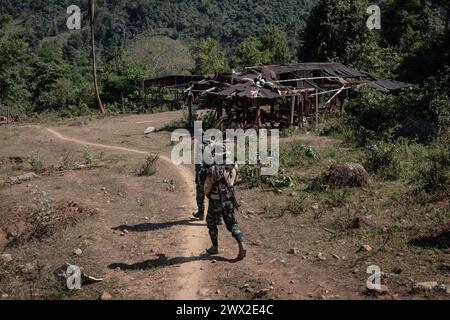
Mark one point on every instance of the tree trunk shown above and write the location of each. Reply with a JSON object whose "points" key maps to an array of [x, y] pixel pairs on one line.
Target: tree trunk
{"points": [[91, 4]]}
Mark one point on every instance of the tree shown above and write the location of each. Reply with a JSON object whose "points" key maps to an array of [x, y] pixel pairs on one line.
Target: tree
{"points": [[208, 59], [251, 53], [335, 31], [94, 62], [275, 44]]}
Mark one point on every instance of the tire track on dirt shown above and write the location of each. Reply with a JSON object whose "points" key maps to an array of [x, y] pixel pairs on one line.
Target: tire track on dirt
{"points": [[190, 277]]}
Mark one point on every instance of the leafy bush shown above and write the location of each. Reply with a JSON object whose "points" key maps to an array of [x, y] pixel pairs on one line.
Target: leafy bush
{"points": [[148, 168], [293, 155], [36, 163], [433, 175], [382, 160], [250, 176]]}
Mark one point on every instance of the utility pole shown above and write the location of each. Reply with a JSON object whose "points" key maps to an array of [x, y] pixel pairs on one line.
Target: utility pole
{"points": [[91, 5]]}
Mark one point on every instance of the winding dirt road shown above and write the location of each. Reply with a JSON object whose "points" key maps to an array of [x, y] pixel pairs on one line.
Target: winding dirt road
{"points": [[189, 280]]}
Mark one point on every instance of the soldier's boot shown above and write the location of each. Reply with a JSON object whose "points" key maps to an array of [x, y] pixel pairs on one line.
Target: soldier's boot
{"points": [[200, 215], [215, 245], [242, 248]]}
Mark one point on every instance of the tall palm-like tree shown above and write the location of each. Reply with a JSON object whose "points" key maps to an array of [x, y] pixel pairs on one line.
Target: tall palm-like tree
{"points": [[91, 6]]}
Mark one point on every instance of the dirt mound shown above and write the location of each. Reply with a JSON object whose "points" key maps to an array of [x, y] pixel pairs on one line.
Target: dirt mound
{"points": [[348, 175], [341, 175]]}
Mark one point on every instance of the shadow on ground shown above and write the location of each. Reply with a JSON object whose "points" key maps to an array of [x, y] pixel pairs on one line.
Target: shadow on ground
{"points": [[144, 227], [163, 261], [439, 237]]}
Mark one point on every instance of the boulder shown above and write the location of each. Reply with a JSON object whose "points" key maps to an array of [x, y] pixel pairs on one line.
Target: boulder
{"points": [[348, 175]]}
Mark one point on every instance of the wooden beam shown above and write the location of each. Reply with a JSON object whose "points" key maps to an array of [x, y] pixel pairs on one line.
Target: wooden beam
{"points": [[292, 111]]}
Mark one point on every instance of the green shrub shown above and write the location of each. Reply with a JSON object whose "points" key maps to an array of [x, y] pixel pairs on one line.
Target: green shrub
{"points": [[294, 155], [433, 175], [250, 177], [381, 159], [36, 163]]}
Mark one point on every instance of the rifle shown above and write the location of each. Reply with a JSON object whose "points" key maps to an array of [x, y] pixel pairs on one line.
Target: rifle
{"points": [[229, 189]]}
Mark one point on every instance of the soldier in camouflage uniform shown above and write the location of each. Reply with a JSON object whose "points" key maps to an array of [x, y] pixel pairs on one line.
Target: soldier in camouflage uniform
{"points": [[200, 197], [200, 176], [219, 181]]}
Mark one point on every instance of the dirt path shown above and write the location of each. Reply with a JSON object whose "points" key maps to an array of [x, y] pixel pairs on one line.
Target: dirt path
{"points": [[189, 280]]}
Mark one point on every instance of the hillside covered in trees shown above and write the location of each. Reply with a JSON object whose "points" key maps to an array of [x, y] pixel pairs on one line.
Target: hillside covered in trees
{"points": [[46, 67]]}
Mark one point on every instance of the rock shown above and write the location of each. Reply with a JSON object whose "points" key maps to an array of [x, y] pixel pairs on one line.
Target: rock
{"points": [[103, 188], [78, 252], [321, 256], [294, 194], [125, 231], [397, 270], [105, 296], [425, 286], [293, 251], [315, 206], [365, 248], [348, 175], [5, 296], [279, 191], [6, 257], [203, 292], [261, 293], [355, 271], [149, 130], [364, 222], [444, 288], [336, 256], [22, 178]]}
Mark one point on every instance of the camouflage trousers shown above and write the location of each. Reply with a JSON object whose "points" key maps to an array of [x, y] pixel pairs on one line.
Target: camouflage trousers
{"points": [[200, 192], [216, 209]]}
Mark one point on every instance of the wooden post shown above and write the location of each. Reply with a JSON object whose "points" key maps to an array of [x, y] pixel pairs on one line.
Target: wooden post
{"points": [[317, 108], [258, 115], [292, 111], [190, 118], [302, 110]]}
